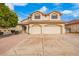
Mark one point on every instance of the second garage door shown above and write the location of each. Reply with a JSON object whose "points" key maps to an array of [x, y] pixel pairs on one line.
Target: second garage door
{"points": [[51, 29]]}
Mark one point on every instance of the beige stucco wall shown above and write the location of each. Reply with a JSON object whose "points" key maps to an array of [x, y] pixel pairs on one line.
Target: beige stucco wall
{"points": [[63, 28], [19, 27], [47, 18], [77, 27], [73, 27]]}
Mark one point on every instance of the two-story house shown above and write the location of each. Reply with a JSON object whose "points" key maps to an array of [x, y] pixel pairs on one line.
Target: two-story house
{"points": [[39, 23]]}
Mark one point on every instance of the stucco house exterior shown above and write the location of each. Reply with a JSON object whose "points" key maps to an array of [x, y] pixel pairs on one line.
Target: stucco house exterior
{"points": [[72, 26], [40, 23]]}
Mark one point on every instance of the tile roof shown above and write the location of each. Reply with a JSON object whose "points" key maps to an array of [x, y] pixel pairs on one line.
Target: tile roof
{"points": [[76, 21]]}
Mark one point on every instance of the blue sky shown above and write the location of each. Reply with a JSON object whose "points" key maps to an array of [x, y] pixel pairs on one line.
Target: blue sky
{"points": [[70, 11]]}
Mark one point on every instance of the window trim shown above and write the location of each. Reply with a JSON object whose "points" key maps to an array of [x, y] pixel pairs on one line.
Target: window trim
{"points": [[37, 16], [54, 16]]}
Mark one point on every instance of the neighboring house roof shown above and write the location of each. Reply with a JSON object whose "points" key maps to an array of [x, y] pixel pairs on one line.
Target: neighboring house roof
{"points": [[76, 21]]}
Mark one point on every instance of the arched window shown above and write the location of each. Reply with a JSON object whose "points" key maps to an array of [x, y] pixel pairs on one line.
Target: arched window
{"points": [[37, 16], [54, 16]]}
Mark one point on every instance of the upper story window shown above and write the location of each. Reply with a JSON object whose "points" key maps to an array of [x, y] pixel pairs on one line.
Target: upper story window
{"points": [[37, 16], [54, 16]]}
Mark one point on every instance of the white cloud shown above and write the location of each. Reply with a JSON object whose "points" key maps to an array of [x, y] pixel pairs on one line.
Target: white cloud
{"points": [[76, 13], [20, 4], [43, 9], [11, 5], [66, 12], [20, 18]]}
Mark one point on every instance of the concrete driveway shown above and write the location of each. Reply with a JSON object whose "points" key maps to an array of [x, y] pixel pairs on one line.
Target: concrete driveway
{"points": [[44, 45]]}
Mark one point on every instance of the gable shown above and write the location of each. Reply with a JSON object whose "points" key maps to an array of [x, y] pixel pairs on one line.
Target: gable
{"points": [[37, 12], [55, 12]]}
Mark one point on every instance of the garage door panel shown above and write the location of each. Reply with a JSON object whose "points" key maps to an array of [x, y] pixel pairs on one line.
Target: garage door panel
{"points": [[35, 30], [51, 30]]}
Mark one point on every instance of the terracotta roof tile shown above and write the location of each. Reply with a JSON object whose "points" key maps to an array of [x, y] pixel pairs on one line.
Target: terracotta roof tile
{"points": [[76, 21]]}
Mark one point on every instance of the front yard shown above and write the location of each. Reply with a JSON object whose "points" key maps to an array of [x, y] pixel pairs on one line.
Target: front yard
{"points": [[40, 45]]}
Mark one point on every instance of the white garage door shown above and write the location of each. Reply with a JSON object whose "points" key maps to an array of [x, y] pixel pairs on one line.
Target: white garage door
{"points": [[51, 29], [35, 30]]}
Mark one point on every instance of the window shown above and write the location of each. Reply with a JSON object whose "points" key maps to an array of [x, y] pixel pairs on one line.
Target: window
{"points": [[54, 16], [37, 16]]}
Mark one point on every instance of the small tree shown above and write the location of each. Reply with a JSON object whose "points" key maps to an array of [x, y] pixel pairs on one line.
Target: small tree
{"points": [[8, 18]]}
